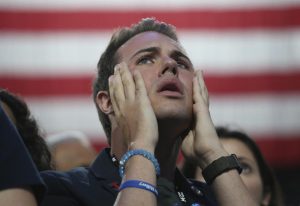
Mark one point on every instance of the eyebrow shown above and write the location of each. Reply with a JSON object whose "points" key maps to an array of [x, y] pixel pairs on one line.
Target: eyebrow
{"points": [[149, 49], [180, 54], [242, 158], [175, 53]]}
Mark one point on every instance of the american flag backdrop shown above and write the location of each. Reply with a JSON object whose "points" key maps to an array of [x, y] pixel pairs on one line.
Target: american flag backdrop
{"points": [[249, 51]]}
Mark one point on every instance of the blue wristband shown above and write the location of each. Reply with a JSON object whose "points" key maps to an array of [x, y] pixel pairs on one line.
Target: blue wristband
{"points": [[144, 153], [139, 184]]}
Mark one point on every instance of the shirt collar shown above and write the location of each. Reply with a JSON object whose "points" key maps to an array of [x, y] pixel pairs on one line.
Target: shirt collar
{"points": [[103, 167]]}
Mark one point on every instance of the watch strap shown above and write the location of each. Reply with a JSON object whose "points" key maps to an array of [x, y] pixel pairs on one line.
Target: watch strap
{"points": [[219, 166]]}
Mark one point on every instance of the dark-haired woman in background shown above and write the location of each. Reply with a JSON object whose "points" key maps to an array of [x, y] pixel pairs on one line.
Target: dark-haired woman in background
{"points": [[257, 175], [20, 182], [18, 112]]}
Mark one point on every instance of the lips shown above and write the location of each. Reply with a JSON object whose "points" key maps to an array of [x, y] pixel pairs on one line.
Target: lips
{"points": [[170, 87]]}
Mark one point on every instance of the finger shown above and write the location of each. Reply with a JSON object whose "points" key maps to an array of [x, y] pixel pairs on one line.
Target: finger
{"points": [[203, 88], [118, 87], [128, 83], [196, 90], [187, 144], [112, 95], [139, 83]]}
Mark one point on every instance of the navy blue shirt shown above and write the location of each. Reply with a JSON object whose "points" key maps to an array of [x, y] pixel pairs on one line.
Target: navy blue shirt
{"points": [[17, 168], [98, 185]]}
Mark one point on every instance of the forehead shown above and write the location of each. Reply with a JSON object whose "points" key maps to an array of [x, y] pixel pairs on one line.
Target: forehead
{"points": [[237, 147], [148, 39]]}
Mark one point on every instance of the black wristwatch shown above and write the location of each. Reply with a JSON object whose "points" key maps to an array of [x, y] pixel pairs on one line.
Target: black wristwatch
{"points": [[219, 166]]}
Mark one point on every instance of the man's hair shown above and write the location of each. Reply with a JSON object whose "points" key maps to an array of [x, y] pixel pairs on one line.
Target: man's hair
{"points": [[28, 130], [109, 58]]}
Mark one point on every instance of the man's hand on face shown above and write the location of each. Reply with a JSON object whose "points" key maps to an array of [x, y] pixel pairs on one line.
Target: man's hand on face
{"points": [[132, 108], [202, 144]]}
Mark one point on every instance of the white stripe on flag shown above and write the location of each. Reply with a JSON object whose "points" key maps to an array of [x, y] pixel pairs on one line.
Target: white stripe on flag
{"points": [[70, 53], [261, 114]]}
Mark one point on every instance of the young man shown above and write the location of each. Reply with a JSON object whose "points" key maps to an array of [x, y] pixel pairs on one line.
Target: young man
{"points": [[150, 99]]}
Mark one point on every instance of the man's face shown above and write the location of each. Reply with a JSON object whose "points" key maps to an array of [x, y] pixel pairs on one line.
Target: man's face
{"points": [[167, 73]]}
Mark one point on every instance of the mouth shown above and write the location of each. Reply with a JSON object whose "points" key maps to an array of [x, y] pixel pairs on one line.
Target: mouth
{"points": [[170, 88]]}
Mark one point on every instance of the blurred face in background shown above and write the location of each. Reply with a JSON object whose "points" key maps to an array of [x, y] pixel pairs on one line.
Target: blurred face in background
{"points": [[250, 175], [71, 154]]}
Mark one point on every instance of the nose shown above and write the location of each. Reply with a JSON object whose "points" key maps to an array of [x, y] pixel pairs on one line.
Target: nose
{"points": [[169, 66]]}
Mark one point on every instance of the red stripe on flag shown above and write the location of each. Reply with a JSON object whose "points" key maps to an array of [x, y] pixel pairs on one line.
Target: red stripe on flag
{"points": [[48, 86], [254, 83], [56, 20], [281, 151], [217, 84]]}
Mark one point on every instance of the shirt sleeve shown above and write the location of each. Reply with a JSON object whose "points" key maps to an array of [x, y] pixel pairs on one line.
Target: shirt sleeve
{"points": [[18, 169]]}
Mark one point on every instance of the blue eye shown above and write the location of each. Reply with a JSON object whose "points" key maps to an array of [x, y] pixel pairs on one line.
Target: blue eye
{"points": [[145, 60], [182, 65]]}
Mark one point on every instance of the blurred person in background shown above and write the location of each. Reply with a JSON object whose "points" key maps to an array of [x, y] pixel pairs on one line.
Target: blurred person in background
{"points": [[257, 175], [20, 182], [70, 149], [18, 112]]}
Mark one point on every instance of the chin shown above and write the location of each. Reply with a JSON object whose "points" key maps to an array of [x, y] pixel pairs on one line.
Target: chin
{"points": [[177, 117], [178, 111]]}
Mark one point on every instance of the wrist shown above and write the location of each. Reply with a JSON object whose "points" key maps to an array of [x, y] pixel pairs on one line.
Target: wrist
{"points": [[220, 166], [141, 145], [137, 167], [138, 152], [210, 156]]}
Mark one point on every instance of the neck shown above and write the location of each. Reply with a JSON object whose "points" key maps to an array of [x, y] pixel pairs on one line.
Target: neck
{"points": [[167, 149], [166, 154], [118, 148]]}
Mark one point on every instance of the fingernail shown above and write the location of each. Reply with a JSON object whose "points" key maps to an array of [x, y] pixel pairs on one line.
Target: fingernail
{"points": [[110, 78], [116, 68]]}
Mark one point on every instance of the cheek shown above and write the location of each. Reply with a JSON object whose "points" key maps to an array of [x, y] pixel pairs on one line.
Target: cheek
{"points": [[187, 80], [254, 185], [148, 77]]}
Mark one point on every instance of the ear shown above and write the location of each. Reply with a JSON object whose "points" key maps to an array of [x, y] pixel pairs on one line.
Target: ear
{"points": [[266, 199], [103, 102]]}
